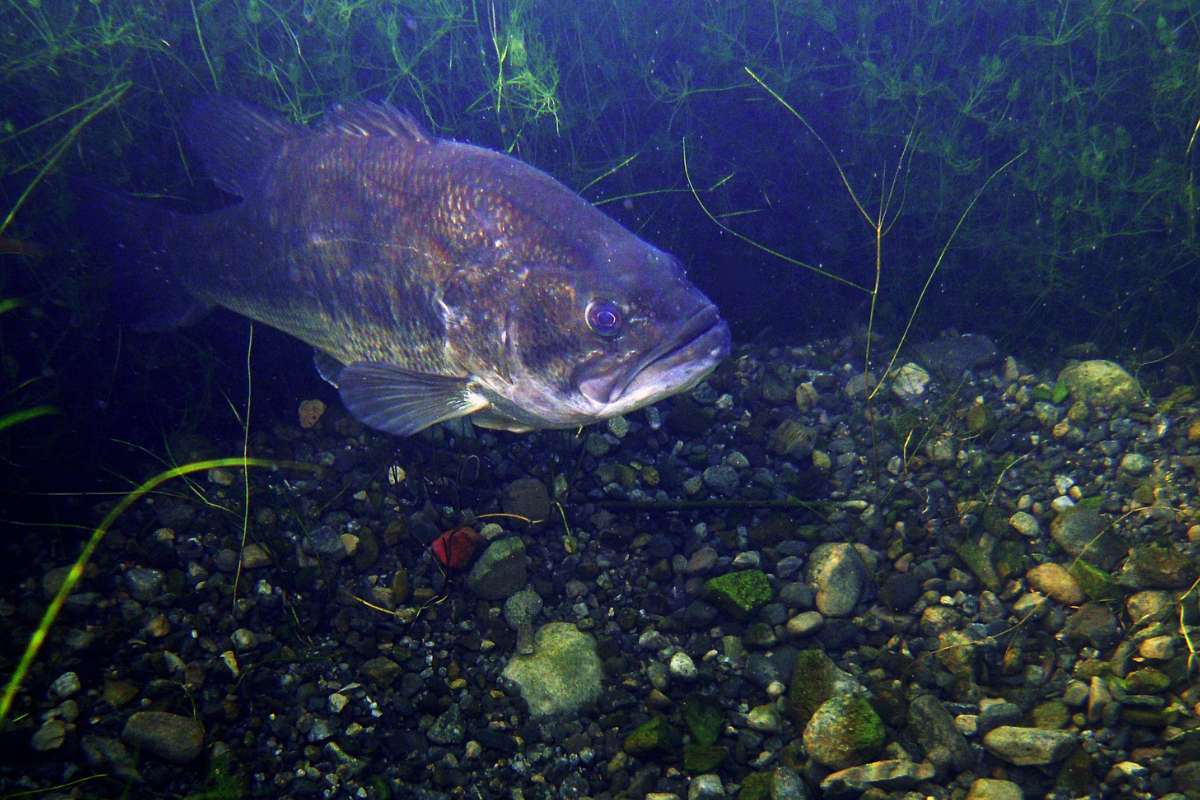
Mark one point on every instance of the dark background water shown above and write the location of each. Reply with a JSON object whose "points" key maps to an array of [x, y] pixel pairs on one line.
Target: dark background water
{"points": [[1059, 134]]}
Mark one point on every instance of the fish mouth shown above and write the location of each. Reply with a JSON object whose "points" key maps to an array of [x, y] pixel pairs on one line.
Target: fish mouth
{"points": [[678, 364]]}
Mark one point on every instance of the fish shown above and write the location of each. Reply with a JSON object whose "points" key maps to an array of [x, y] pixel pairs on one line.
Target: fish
{"points": [[434, 279]]}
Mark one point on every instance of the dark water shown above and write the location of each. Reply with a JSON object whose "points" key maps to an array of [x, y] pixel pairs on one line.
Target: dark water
{"points": [[1059, 135]]}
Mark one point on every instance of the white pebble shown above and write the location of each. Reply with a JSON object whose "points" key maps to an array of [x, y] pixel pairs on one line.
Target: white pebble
{"points": [[683, 667]]}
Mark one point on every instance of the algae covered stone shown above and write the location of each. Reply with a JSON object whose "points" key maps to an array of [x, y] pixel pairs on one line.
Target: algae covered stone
{"points": [[815, 679], [739, 594], [561, 674], [652, 738], [1100, 383], [700, 758], [703, 717], [844, 732]]}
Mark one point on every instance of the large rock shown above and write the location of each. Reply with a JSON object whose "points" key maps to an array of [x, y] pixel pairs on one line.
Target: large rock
{"points": [[1030, 746], [814, 680], [171, 737], [837, 573], [1083, 532], [933, 727], [844, 732], [1093, 624], [1101, 383], [563, 672], [1156, 567]]}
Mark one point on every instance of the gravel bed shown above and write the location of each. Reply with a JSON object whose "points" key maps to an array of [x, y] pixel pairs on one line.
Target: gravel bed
{"points": [[979, 584]]}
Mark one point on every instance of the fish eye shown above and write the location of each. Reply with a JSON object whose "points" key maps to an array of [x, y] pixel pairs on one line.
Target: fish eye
{"points": [[604, 317]]}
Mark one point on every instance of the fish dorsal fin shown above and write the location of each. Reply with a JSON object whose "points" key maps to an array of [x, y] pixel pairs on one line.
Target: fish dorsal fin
{"points": [[371, 119], [401, 402], [328, 366], [236, 141]]}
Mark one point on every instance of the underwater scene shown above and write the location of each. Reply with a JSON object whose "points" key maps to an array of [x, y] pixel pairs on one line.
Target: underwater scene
{"points": [[540, 400]]}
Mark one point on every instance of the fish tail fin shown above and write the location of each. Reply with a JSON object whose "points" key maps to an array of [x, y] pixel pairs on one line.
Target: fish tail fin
{"points": [[129, 236]]}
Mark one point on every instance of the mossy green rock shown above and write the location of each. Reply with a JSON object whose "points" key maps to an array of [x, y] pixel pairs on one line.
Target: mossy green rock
{"points": [[844, 732], [1009, 558], [1155, 567], [561, 674], [1076, 773], [739, 594], [1100, 383], [1146, 681], [1149, 717], [655, 737], [979, 560], [1096, 583], [703, 717], [1052, 714], [699, 758], [756, 786], [812, 684]]}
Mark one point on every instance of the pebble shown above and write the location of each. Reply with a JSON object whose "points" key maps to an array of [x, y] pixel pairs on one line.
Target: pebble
{"points": [[449, 728], [66, 685], [706, 787], [683, 667], [805, 623], [618, 426], [935, 731], [786, 784], [50, 736], [994, 789], [501, 571], [1149, 606], [701, 561], [723, 480], [254, 556], [764, 718], [145, 584], [244, 639], [1025, 524], [325, 542], [1158, 648], [1136, 464]]}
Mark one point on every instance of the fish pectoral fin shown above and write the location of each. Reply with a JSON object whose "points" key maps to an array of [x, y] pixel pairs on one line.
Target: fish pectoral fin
{"points": [[328, 366], [401, 402]]}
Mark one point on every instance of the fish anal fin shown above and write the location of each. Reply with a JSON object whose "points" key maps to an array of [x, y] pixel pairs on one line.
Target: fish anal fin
{"points": [[329, 367], [401, 402]]}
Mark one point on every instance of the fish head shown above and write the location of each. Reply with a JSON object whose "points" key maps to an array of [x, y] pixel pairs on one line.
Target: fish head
{"points": [[585, 342]]}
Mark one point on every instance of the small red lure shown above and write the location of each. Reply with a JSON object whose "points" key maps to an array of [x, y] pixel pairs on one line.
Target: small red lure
{"points": [[453, 549]]}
